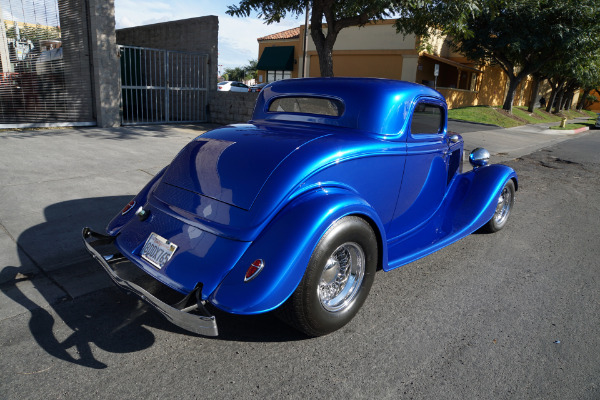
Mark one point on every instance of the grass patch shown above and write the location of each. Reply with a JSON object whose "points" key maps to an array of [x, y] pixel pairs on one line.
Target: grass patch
{"points": [[589, 124], [533, 118], [591, 114], [520, 116], [539, 115], [482, 115], [568, 127]]}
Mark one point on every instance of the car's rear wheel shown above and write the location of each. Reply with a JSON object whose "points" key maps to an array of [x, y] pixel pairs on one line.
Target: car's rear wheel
{"points": [[337, 280], [504, 205]]}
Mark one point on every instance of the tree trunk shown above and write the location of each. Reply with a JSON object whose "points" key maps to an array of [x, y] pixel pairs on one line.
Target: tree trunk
{"points": [[558, 106], [534, 93], [582, 99], [555, 89], [512, 87], [324, 44]]}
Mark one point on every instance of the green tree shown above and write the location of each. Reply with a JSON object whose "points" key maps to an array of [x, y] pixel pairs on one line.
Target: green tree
{"points": [[340, 14], [250, 68], [520, 36], [235, 74]]}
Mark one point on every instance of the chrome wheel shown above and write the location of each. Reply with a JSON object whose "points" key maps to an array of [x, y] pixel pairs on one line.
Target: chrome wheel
{"points": [[505, 201], [504, 204], [342, 276], [337, 279]]}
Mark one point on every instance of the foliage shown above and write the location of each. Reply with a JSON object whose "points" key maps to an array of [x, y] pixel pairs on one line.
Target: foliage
{"points": [[245, 72], [35, 33], [339, 14], [520, 36]]}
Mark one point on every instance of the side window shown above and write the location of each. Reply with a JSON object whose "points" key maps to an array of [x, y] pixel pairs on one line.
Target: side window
{"points": [[427, 119]]}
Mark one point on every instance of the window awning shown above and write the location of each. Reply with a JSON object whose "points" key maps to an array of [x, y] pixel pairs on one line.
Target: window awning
{"points": [[455, 64], [278, 58]]}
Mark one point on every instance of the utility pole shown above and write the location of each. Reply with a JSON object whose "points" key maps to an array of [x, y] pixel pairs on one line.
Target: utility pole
{"points": [[305, 53]]}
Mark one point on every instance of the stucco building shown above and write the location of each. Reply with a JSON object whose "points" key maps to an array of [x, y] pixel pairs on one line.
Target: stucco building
{"points": [[376, 50]]}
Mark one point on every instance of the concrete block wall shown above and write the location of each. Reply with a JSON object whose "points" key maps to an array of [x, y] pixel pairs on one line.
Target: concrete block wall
{"points": [[231, 107]]}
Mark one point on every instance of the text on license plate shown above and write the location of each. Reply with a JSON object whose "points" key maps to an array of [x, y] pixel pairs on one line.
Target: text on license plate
{"points": [[158, 250]]}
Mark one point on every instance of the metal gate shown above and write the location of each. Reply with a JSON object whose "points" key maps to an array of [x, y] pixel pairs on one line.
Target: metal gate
{"points": [[161, 86]]}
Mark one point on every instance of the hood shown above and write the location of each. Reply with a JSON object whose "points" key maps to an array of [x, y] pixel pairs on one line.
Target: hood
{"points": [[232, 164]]}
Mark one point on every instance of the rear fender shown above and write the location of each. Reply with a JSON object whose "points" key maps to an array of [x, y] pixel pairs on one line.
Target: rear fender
{"points": [[120, 220], [285, 246]]}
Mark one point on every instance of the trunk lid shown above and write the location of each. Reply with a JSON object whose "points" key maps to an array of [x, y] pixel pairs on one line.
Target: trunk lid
{"points": [[232, 164]]}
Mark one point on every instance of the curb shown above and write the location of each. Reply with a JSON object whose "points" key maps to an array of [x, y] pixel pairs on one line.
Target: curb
{"points": [[565, 131]]}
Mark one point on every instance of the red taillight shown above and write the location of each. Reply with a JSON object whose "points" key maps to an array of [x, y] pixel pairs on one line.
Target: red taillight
{"points": [[220, 87], [254, 270], [128, 207]]}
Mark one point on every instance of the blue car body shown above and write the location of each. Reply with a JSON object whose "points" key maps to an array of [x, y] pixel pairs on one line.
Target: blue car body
{"points": [[269, 189]]}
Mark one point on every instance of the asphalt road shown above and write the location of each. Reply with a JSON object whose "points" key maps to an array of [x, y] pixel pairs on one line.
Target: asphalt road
{"points": [[511, 315], [464, 126]]}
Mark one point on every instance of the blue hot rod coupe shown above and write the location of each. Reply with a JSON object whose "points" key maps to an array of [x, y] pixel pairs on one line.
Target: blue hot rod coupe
{"points": [[331, 180]]}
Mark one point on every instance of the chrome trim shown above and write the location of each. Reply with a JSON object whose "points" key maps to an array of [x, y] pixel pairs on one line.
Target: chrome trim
{"points": [[201, 324], [260, 266]]}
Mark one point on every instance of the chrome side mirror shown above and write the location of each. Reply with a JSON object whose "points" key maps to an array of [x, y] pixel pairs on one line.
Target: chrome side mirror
{"points": [[479, 157]]}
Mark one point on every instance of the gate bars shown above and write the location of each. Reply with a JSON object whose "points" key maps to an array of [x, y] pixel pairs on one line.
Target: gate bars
{"points": [[162, 86]]}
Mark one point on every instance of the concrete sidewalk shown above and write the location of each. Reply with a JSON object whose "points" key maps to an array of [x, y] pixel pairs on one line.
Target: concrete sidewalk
{"points": [[510, 143], [54, 182]]}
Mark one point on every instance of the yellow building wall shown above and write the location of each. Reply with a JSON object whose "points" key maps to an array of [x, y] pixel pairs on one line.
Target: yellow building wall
{"points": [[374, 64], [595, 106]]}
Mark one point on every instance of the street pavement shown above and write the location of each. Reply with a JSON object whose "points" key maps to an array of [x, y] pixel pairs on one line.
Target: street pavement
{"points": [[54, 182]]}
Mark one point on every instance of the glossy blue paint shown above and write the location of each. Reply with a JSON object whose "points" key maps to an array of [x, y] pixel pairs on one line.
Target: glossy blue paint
{"points": [[286, 246], [271, 188]]}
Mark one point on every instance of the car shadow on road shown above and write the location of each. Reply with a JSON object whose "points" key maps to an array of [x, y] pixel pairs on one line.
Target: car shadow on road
{"points": [[82, 296], [52, 292]]}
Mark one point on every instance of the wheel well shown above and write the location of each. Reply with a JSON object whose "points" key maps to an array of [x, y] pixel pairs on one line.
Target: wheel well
{"points": [[516, 183], [377, 235]]}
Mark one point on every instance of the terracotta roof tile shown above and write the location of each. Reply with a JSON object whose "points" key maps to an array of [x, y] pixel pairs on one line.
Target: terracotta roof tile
{"points": [[289, 34]]}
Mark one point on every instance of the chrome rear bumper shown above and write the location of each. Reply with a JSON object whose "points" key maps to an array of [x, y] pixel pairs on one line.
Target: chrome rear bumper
{"points": [[193, 318]]}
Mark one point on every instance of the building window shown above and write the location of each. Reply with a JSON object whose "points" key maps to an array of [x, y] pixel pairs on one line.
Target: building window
{"points": [[273, 76]]}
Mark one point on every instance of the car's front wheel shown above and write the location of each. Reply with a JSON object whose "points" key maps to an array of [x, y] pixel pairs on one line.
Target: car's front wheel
{"points": [[337, 280], [504, 205]]}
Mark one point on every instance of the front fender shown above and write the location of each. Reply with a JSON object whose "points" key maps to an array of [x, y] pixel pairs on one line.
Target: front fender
{"points": [[285, 246], [470, 203], [478, 191]]}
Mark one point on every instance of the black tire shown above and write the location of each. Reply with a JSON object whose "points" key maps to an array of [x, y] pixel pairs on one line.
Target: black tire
{"points": [[314, 308], [506, 200]]}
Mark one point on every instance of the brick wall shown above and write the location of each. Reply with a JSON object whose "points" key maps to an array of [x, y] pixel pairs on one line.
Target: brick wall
{"points": [[231, 107]]}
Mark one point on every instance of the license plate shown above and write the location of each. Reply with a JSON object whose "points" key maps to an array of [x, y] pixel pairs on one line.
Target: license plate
{"points": [[158, 250]]}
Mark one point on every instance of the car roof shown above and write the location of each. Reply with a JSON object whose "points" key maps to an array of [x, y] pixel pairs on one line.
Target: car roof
{"points": [[381, 106]]}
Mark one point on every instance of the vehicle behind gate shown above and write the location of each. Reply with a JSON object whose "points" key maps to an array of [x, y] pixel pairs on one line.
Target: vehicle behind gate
{"points": [[332, 179]]}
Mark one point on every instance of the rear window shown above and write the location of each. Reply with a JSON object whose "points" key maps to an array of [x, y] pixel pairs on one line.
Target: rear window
{"points": [[308, 105]]}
